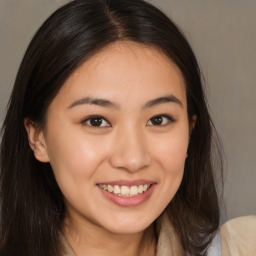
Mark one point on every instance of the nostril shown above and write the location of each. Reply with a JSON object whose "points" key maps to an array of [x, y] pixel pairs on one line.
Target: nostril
{"points": [[130, 150], [130, 163]]}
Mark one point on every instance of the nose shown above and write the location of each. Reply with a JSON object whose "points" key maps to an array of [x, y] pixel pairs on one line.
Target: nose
{"points": [[130, 151]]}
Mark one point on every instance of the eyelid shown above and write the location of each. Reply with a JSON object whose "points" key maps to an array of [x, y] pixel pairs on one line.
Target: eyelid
{"points": [[169, 117], [95, 116]]}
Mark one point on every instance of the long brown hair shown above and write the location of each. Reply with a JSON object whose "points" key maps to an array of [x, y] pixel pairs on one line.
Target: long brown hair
{"points": [[32, 206]]}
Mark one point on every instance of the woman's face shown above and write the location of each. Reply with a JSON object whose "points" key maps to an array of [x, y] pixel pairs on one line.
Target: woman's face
{"points": [[116, 137]]}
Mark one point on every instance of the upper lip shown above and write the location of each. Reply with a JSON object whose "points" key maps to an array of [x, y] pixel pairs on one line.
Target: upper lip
{"points": [[128, 183]]}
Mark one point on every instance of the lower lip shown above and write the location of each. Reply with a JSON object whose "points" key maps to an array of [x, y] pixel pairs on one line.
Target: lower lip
{"points": [[128, 201]]}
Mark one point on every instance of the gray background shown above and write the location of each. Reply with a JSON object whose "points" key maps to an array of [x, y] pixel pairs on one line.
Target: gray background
{"points": [[223, 36]]}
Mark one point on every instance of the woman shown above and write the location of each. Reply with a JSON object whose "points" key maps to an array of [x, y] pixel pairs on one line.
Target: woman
{"points": [[107, 141]]}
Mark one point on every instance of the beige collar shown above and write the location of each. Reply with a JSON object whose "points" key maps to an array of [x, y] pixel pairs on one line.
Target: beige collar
{"points": [[67, 249], [168, 243]]}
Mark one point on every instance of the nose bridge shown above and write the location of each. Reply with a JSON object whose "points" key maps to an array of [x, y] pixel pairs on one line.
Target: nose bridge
{"points": [[130, 150]]}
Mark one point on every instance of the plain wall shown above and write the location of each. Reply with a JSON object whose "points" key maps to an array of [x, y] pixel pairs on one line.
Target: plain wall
{"points": [[222, 34]]}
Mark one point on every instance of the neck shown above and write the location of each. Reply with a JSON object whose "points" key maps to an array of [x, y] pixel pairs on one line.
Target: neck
{"points": [[93, 240]]}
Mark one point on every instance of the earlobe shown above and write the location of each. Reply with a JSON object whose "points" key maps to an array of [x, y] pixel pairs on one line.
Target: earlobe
{"points": [[36, 141]]}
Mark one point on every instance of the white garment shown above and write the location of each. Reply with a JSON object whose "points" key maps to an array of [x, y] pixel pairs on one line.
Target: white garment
{"points": [[215, 247]]}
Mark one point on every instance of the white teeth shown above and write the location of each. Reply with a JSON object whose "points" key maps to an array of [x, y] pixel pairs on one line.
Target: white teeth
{"points": [[125, 191], [117, 190], [141, 189], [133, 190], [110, 188]]}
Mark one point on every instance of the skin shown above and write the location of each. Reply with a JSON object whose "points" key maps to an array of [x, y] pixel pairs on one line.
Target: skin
{"points": [[127, 146]]}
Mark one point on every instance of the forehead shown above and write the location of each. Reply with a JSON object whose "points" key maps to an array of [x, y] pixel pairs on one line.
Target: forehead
{"points": [[125, 70]]}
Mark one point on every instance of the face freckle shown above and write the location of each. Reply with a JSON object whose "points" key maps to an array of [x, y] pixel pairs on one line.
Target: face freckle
{"points": [[129, 166]]}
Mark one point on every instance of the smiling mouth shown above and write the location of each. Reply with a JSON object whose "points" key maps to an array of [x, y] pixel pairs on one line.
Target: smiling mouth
{"points": [[125, 191]]}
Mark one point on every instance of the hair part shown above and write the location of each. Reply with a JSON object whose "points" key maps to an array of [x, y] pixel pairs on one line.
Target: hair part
{"points": [[70, 36]]}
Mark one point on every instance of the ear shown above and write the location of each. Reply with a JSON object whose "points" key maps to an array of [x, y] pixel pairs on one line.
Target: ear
{"points": [[192, 123], [36, 140]]}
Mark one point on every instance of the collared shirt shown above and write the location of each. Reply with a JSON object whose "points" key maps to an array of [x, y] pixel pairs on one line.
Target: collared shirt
{"points": [[237, 238], [167, 245]]}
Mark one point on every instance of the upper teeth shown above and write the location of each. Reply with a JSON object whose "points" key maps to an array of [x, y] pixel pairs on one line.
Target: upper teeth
{"points": [[125, 190]]}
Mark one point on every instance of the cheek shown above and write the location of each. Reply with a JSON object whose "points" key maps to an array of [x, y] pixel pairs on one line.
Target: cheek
{"points": [[74, 157], [170, 155], [170, 151], [172, 160]]}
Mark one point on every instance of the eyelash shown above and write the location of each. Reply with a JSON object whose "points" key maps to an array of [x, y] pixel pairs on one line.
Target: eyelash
{"points": [[90, 118], [168, 119]]}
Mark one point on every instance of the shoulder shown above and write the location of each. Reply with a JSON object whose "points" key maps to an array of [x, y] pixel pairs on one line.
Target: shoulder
{"points": [[238, 236]]}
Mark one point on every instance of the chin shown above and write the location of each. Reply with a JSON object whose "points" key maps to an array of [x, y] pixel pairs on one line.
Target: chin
{"points": [[129, 225]]}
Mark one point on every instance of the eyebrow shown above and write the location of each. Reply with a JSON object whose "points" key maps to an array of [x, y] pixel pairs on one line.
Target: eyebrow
{"points": [[161, 100], [108, 104], [95, 101]]}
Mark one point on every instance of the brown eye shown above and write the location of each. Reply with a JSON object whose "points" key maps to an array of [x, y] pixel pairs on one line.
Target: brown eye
{"points": [[160, 120], [157, 120], [96, 121]]}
